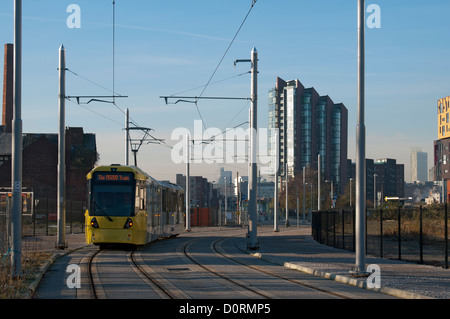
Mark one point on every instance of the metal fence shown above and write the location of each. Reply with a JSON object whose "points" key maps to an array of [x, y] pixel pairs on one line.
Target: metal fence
{"points": [[43, 221], [415, 234]]}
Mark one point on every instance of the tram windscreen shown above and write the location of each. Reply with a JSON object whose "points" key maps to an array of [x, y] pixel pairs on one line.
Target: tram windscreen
{"points": [[112, 195]]}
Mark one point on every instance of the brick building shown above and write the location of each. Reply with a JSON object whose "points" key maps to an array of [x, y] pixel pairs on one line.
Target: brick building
{"points": [[40, 162], [40, 152]]}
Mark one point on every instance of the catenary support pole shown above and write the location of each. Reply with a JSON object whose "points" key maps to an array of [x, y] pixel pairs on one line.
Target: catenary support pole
{"points": [[298, 207], [361, 147], [275, 205], [286, 175], [252, 242], [304, 193], [252, 228], [127, 138], [61, 197], [277, 170], [16, 169], [188, 197], [319, 178], [226, 199]]}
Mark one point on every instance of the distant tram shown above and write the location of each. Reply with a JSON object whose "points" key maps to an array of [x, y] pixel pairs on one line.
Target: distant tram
{"points": [[127, 206]]}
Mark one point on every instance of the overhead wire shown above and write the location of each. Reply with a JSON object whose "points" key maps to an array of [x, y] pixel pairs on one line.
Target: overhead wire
{"points": [[239, 113], [132, 121], [97, 113], [103, 87], [216, 82], [228, 48], [113, 91], [114, 50], [221, 60], [92, 82]]}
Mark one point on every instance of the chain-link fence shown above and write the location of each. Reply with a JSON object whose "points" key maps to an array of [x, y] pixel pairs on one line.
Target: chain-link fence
{"points": [[416, 234], [42, 220]]}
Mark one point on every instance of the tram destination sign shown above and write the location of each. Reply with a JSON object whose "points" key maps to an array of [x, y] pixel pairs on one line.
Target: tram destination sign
{"points": [[113, 177]]}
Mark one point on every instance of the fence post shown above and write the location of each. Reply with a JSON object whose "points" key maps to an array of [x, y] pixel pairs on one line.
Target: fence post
{"points": [[319, 227], [71, 215], [381, 233], [34, 217], [314, 226], [326, 227], [47, 217], [343, 229], [334, 228], [83, 221], [354, 229], [365, 231], [421, 234], [446, 235], [399, 235]]}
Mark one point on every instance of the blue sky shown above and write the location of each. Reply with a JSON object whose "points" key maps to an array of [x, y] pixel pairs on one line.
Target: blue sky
{"points": [[167, 47]]}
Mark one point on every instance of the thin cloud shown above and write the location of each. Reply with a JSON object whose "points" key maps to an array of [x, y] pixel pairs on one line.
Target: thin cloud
{"points": [[128, 26], [159, 30]]}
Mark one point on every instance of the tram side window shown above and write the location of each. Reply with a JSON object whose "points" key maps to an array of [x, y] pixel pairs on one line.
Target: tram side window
{"points": [[172, 205], [155, 205], [179, 208], [142, 197], [88, 193], [152, 205], [164, 206], [149, 204], [159, 206], [176, 197], [140, 192]]}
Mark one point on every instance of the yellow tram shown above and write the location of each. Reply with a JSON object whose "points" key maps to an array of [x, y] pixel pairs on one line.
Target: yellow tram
{"points": [[127, 206]]}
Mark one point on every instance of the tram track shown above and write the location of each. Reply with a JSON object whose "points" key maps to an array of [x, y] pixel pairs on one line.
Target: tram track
{"points": [[194, 254], [185, 251], [143, 271], [216, 246], [160, 286], [92, 286]]}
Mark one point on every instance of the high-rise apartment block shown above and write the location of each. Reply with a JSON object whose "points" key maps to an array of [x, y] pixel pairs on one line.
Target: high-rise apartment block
{"points": [[419, 165], [442, 145], [309, 124]]}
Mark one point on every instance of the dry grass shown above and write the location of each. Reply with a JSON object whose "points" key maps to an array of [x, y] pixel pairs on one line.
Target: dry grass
{"points": [[32, 259], [433, 227], [432, 230]]}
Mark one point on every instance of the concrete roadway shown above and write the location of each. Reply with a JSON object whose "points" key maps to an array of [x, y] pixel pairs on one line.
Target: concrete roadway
{"points": [[203, 264]]}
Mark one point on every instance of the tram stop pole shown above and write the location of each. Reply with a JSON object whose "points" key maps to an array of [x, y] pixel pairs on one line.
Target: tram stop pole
{"points": [[252, 243], [253, 192], [17, 148], [187, 191], [61, 197], [360, 150]]}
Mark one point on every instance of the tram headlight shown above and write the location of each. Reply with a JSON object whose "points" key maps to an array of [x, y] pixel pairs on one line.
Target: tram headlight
{"points": [[94, 223], [128, 223]]}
